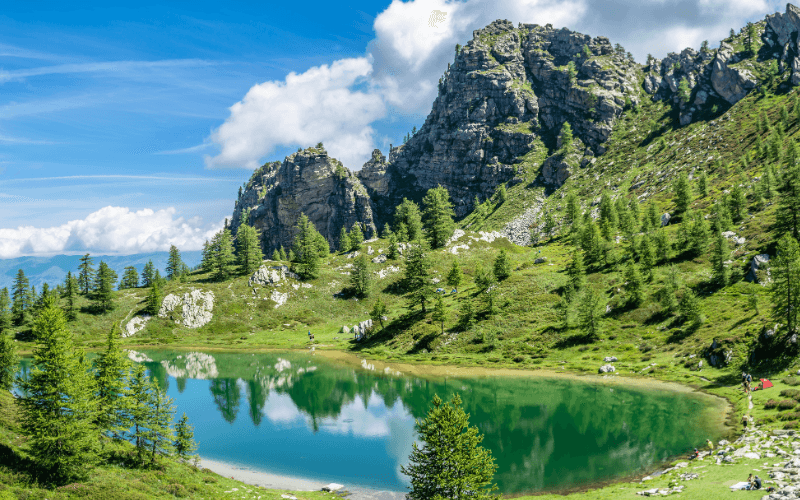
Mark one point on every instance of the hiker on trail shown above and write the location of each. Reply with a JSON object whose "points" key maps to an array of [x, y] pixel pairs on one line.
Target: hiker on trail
{"points": [[744, 421], [710, 445], [749, 382]]}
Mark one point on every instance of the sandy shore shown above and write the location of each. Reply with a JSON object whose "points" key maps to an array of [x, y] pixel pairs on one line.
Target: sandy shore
{"points": [[279, 482]]}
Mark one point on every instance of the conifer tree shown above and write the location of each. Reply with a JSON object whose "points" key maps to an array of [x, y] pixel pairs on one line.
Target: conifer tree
{"points": [[785, 271], [451, 463], [548, 224], [276, 255], [5, 311], [576, 271], [653, 217], [633, 205], [9, 360], [378, 312], [103, 296], [148, 273], [698, 235], [683, 194], [417, 276], [248, 249], [174, 263], [608, 213], [454, 276], [408, 214], [483, 278], [360, 277], [70, 295], [788, 213], [439, 312], [85, 274], [283, 254], [647, 255], [306, 250], [702, 184], [356, 237], [58, 404], [184, 444], [565, 138], [138, 397], [589, 313], [387, 231], [634, 285], [466, 314], [394, 250], [737, 202], [502, 266], [662, 245], [154, 299], [344, 240], [402, 232], [572, 211], [159, 434], [784, 116], [689, 308], [719, 254], [111, 369], [21, 298], [206, 262], [220, 255], [591, 242], [667, 295], [438, 216], [501, 195], [130, 278]]}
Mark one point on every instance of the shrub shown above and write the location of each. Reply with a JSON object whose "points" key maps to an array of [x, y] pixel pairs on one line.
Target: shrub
{"points": [[790, 425], [787, 404], [770, 404], [791, 393], [791, 381], [790, 416], [519, 359]]}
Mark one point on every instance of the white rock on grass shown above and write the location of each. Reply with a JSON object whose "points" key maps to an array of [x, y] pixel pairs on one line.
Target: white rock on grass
{"points": [[457, 248], [610, 359], [279, 298], [136, 325], [380, 259], [607, 369], [193, 310]]}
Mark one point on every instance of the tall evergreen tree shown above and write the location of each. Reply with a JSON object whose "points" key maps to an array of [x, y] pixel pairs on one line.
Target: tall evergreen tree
{"points": [[719, 254], [5, 311], [344, 240], [103, 296], [417, 278], [698, 235], [589, 313], [455, 276], [148, 273], [683, 193], [130, 278], [21, 298], [451, 463], [378, 312], [184, 444], [634, 285], [356, 237], [788, 214], [159, 434], [439, 312], [86, 274], [360, 276], [592, 243], [111, 369], [502, 266], [394, 249], [689, 308], [9, 361], [174, 263], [647, 255], [248, 249], [220, 255], [407, 213], [785, 271], [702, 184], [608, 213], [305, 249], [483, 278], [438, 216], [572, 212], [576, 271], [58, 405], [154, 298], [138, 398], [70, 295], [663, 246], [737, 202]]}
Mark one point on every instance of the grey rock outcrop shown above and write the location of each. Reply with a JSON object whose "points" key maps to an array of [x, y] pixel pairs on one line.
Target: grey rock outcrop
{"points": [[135, 325], [780, 35], [307, 182], [607, 369], [266, 276], [759, 265], [193, 310]]}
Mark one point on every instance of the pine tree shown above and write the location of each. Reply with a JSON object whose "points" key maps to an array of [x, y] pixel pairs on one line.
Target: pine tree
{"points": [[9, 360], [148, 273], [5, 311], [483, 278], [501, 195], [689, 308], [360, 276], [647, 255], [683, 194], [220, 255], [466, 314], [139, 396], [103, 296], [737, 203], [684, 92], [356, 237], [565, 138], [634, 285], [408, 214], [548, 224], [750, 38], [451, 463], [788, 214], [439, 312], [394, 250], [153, 299], [306, 250], [402, 233], [667, 295], [130, 278], [159, 434], [576, 271], [571, 73], [437, 216], [592, 243], [344, 240], [111, 369], [589, 312], [608, 213], [248, 249], [502, 266], [417, 276], [86, 274], [184, 444], [276, 255], [785, 271], [653, 217], [387, 231], [662, 244], [719, 254], [698, 235], [70, 295], [455, 276], [572, 211], [702, 184], [174, 263], [207, 261], [58, 406], [378, 312], [283, 254], [21, 298]]}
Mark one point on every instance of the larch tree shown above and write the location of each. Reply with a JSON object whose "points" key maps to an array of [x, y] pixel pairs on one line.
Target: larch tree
{"points": [[130, 278], [407, 213], [174, 264], [378, 312], [21, 299], [455, 276], [139, 395], [111, 369], [788, 213], [439, 312], [719, 254], [785, 271], [248, 249], [589, 313], [360, 280], [344, 240], [5, 311], [356, 237], [148, 273], [160, 435], [683, 193], [417, 278], [103, 296], [502, 266], [184, 444], [58, 404], [306, 252], [438, 216], [220, 255], [86, 274], [450, 463], [70, 296]]}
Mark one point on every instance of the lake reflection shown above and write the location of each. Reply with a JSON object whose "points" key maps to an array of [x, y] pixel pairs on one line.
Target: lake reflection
{"points": [[301, 415]]}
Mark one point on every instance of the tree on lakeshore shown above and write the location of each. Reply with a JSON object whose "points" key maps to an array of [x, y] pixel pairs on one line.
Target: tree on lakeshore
{"points": [[138, 398], [159, 434], [378, 312], [58, 406], [438, 216], [130, 278], [5, 311], [306, 253], [149, 272], [248, 249], [21, 298], [111, 370], [407, 213], [85, 274], [104, 288], [451, 463], [8, 360], [785, 271], [175, 264], [184, 444], [360, 277], [417, 277], [439, 312], [455, 276]]}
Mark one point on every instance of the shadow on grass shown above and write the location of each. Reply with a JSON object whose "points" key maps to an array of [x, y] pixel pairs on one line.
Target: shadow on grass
{"points": [[573, 340]]}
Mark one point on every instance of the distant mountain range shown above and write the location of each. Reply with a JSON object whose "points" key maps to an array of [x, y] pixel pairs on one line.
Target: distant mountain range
{"points": [[52, 270]]}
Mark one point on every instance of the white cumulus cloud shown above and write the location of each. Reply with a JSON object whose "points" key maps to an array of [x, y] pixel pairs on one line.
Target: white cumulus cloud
{"points": [[320, 105], [115, 230]]}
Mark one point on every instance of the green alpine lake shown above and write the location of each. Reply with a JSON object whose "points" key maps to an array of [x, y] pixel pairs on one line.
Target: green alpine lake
{"points": [[304, 415]]}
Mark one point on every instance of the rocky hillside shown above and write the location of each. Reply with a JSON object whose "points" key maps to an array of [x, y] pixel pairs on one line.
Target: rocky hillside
{"points": [[309, 182]]}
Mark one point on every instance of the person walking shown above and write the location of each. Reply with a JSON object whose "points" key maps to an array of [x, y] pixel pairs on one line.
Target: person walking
{"points": [[749, 383]]}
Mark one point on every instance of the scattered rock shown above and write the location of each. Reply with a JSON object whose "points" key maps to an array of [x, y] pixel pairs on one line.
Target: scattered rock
{"points": [[279, 298], [540, 260], [665, 218], [610, 359], [135, 325], [607, 369], [332, 487], [759, 266], [380, 259]]}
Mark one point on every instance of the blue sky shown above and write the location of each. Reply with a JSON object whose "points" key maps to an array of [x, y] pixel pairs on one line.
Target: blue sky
{"points": [[128, 126]]}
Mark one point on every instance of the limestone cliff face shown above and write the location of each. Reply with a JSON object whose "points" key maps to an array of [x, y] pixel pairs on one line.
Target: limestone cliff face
{"points": [[508, 88], [309, 182]]}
